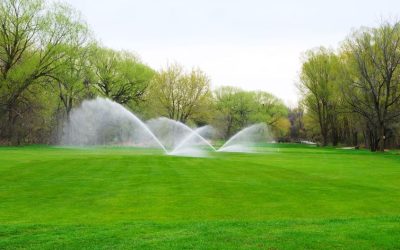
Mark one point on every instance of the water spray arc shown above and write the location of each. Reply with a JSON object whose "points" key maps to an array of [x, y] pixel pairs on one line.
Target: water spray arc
{"points": [[246, 139], [180, 139], [195, 134], [103, 122]]}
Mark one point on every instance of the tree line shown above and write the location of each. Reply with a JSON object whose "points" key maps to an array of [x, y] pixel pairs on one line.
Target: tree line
{"points": [[352, 95], [50, 62]]}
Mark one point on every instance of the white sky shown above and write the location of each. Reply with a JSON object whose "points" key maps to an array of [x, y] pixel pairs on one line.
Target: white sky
{"points": [[253, 44]]}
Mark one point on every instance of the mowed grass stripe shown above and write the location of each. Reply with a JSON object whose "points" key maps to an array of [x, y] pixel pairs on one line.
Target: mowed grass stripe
{"points": [[355, 233]]}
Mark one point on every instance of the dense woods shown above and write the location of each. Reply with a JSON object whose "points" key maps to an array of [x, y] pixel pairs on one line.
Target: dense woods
{"points": [[50, 62]]}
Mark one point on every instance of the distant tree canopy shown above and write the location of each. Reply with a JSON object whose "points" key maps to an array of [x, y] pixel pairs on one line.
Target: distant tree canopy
{"points": [[237, 108], [180, 95], [119, 75]]}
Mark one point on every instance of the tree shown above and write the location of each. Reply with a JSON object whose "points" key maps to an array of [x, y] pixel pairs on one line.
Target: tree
{"points": [[234, 108], [119, 75], [179, 95], [318, 82], [33, 37], [270, 109], [373, 85], [238, 108], [72, 79], [296, 119]]}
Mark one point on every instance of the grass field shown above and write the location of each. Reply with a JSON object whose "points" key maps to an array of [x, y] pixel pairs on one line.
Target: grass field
{"points": [[290, 197]]}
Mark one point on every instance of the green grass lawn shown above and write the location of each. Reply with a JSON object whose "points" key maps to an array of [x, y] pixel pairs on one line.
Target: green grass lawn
{"points": [[289, 197]]}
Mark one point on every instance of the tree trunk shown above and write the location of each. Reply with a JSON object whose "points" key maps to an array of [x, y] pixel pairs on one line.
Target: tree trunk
{"points": [[335, 137], [324, 134], [382, 138], [355, 139], [229, 128], [9, 126], [374, 141]]}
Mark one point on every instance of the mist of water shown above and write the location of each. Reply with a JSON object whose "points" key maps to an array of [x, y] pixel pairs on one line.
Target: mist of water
{"points": [[247, 139], [180, 139], [197, 142], [103, 122]]}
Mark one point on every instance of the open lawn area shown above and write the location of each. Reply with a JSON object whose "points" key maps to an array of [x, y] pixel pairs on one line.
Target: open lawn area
{"points": [[288, 197]]}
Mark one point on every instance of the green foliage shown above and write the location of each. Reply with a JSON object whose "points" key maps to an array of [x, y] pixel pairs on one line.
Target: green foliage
{"points": [[372, 87], [180, 95], [355, 90], [320, 87], [119, 75], [237, 108], [34, 40], [47, 52], [269, 109]]}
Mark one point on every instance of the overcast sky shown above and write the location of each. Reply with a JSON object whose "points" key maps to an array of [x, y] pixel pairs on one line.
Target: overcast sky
{"points": [[253, 44]]}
